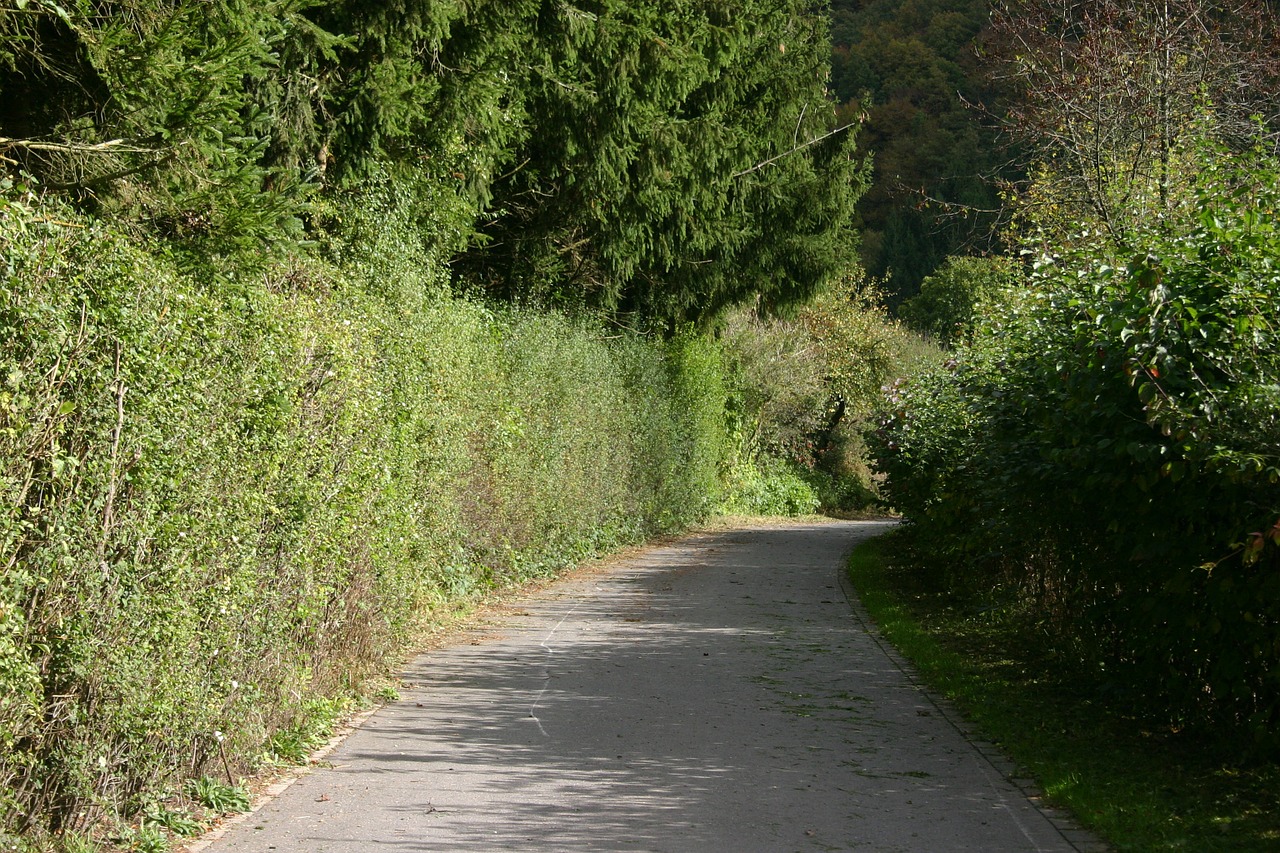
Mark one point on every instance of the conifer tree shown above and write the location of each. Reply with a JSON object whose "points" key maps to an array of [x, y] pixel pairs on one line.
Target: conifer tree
{"points": [[660, 157], [145, 100], [671, 167]]}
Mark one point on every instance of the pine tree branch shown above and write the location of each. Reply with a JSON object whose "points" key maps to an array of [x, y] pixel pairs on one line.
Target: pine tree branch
{"points": [[112, 146]]}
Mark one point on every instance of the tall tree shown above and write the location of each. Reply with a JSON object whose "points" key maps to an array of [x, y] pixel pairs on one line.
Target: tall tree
{"points": [[680, 158], [914, 68], [661, 157], [150, 102]]}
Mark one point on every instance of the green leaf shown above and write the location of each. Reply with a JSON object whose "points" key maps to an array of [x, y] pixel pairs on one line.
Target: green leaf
{"points": [[59, 11]]}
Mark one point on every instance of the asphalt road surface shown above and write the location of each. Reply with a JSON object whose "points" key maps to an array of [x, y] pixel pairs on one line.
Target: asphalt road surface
{"points": [[723, 693]]}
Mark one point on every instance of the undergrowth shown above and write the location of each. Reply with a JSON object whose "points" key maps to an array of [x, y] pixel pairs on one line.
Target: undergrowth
{"points": [[1140, 787]]}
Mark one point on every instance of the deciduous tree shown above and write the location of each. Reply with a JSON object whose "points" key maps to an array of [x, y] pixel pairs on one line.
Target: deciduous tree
{"points": [[1113, 95]]}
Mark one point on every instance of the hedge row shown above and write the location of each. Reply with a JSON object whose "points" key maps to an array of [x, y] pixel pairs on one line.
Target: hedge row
{"points": [[229, 493], [1104, 457]]}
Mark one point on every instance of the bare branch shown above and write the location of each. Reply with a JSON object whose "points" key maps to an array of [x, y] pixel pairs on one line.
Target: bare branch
{"points": [[758, 166], [114, 146]]}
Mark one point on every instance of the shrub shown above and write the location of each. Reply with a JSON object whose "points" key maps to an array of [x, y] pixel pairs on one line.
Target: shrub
{"points": [[769, 487], [950, 298], [801, 392], [1108, 445]]}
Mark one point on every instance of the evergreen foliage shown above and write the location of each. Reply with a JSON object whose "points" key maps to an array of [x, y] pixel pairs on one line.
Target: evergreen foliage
{"points": [[148, 106], [664, 159], [679, 178]]}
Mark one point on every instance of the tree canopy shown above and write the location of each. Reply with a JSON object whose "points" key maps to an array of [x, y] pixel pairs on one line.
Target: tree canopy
{"points": [[916, 69], [666, 157]]}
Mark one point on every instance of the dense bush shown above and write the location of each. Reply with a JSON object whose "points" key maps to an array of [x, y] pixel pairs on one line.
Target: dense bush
{"points": [[769, 486], [801, 392], [1109, 445], [952, 297], [228, 495]]}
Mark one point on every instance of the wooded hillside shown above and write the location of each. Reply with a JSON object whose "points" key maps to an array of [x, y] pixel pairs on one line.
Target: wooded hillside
{"points": [[920, 73]]}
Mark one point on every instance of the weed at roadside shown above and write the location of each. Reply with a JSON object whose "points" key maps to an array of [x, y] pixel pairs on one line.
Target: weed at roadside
{"points": [[218, 796]]}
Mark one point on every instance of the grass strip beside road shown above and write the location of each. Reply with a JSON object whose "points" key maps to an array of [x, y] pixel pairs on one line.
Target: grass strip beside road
{"points": [[1138, 788]]}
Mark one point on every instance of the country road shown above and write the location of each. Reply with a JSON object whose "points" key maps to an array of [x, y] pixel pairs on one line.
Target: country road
{"points": [[721, 693]]}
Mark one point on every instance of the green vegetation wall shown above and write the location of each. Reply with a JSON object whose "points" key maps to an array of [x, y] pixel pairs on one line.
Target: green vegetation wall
{"points": [[1104, 456], [226, 496], [659, 159], [1100, 458]]}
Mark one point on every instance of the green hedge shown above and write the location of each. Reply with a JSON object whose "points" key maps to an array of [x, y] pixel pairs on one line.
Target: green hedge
{"points": [[229, 493], [1106, 454]]}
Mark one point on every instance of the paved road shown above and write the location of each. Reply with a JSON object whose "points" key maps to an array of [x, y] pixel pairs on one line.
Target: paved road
{"points": [[719, 694]]}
